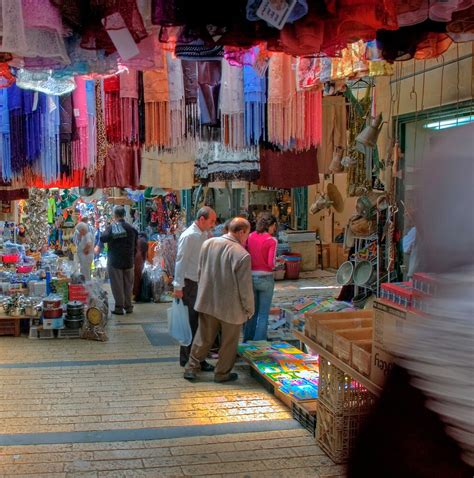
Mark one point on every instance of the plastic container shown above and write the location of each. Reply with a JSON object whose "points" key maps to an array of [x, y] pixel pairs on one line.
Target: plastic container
{"points": [[292, 265], [24, 269], [11, 258]]}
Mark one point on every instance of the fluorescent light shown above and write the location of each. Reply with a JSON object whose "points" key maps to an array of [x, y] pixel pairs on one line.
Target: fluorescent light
{"points": [[451, 123]]}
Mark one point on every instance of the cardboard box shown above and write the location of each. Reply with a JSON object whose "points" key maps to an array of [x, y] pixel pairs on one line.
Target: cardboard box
{"points": [[333, 262], [308, 254], [389, 324], [327, 329], [382, 363], [361, 358], [343, 340]]}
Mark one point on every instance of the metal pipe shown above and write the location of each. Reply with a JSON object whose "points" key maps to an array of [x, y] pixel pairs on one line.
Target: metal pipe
{"points": [[411, 75]]}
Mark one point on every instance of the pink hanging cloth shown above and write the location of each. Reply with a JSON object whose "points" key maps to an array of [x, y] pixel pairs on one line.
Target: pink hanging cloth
{"points": [[80, 154]]}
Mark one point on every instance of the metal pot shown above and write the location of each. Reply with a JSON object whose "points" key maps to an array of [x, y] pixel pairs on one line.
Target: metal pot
{"points": [[53, 313], [51, 302], [16, 311], [33, 310], [73, 323], [4, 307], [364, 273]]}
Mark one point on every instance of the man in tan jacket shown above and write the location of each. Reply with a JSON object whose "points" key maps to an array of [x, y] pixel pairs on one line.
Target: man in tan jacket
{"points": [[225, 299]]}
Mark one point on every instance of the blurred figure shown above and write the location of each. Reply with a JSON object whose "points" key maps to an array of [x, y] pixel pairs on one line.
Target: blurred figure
{"points": [[85, 249], [262, 247], [423, 424], [21, 234], [140, 259]]}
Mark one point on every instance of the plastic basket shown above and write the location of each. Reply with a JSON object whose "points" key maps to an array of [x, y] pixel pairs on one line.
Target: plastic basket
{"points": [[292, 265], [340, 393], [336, 433], [307, 418]]}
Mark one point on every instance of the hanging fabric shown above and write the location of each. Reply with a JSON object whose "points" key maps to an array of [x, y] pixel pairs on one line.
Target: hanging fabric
{"points": [[101, 137], [5, 154], [17, 131], [80, 155], [209, 84], [91, 126], [232, 106], [190, 81], [157, 127], [49, 164], [112, 115], [129, 106], [255, 101], [66, 130], [177, 108], [294, 118], [32, 123]]}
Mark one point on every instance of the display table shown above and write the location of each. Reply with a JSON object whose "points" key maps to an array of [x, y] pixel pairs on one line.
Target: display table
{"points": [[11, 325], [363, 380]]}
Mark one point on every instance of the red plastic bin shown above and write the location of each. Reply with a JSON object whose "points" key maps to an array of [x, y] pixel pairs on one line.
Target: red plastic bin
{"points": [[292, 265]]}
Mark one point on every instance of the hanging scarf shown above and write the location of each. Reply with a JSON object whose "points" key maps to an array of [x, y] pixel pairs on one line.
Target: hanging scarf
{"points": [[17, 129], [49, 164], [91, 126], [176, 101], [112, 108], [255, 100], [5, 154], [80, 155], [294, 118], [190, 81], [129, 106], [66, 129], [157, 124], [101, 136], [232, 106], [32, 125]]}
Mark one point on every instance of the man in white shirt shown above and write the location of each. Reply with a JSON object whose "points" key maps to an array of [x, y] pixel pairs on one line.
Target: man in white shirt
{"points": [[186, 272]]}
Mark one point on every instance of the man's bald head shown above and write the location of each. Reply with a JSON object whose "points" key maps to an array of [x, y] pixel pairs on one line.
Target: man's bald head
{"points": [[239, 228]]}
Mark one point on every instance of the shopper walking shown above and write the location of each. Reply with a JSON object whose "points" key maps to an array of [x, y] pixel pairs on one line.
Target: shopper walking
{"points": [[122, 242], [186, 272], [140, 259], [85, 249], [224, 300], [262, 246]]}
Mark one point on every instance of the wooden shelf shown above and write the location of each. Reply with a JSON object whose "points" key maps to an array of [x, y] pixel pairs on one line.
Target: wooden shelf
{"points": [[362, 379]]}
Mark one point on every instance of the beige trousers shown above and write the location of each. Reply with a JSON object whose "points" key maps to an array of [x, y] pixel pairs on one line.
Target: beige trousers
{"points": [[206, 334], [334, 130]]}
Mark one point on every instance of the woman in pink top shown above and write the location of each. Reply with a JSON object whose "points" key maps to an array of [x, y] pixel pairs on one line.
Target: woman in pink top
{"points": [[262, 246]]}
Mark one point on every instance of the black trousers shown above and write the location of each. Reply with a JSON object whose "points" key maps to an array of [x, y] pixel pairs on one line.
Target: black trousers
{"points": [[189, 299]]}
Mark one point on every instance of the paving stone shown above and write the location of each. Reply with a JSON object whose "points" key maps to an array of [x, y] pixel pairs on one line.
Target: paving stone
{"points": [[102, 465]]}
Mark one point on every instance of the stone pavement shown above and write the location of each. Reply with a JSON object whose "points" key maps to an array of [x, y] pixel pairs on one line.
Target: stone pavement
{"points": [[76, 408]]}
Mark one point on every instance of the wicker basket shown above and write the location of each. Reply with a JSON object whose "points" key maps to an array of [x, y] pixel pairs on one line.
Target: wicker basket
{"points": [[340, 393]]}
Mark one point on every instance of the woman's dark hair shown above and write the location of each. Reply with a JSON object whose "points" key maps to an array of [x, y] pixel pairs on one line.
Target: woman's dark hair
{"points": [[143, 235], [264, 220]]}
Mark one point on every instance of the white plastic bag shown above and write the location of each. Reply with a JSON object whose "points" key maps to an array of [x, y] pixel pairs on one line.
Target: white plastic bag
{"points": [[178, 323]]}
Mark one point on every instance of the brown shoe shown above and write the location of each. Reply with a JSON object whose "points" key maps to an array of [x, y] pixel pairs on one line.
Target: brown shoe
{"points": [[232, 377]]}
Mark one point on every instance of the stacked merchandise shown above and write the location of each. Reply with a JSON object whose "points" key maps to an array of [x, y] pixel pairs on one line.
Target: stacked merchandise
{"points": [[400, 293], [291, 371]]}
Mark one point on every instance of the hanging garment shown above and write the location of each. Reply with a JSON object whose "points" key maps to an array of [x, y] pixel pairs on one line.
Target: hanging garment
{"points": [[167, 170], [334, 130], [177, 110], [129, 106], [49, 164], [112, 112], [209, 84], [80, 155], [66, 131], [101, 135], [190, 82], [232, 106], [461, 27], [411, 12], [294, 117], [255, 98], [91, 125], [17, 130], [32, 122], [156, 96], [5, 153], [105, 15], [150, 55], [45, 46], [215, 162], [288, 169]]}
